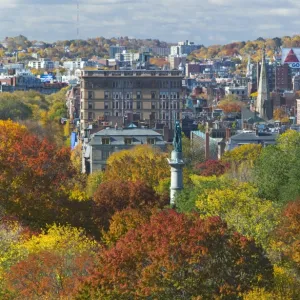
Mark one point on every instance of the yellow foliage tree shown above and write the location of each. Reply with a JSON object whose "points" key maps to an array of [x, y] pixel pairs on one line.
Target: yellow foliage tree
{"points": [[239, 205], [142, 163]]}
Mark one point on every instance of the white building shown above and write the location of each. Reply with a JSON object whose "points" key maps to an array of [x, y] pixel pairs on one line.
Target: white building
{"points": [[239, 91], [43, 63], [184, 48], [127, 57], [79, 63]]}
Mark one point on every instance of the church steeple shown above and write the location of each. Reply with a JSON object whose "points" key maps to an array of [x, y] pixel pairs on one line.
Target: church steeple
{"points": [[263, 102]]}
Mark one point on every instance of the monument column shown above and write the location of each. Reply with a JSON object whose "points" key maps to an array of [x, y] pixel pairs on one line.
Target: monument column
{"points": [[176, 163]]}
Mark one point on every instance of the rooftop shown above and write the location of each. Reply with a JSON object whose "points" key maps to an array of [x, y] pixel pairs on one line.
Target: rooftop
{"points": [[252, 136], [130, 73], [126, 132]]}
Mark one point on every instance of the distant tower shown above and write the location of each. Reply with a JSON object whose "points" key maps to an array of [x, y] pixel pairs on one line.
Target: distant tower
{"points": [[263, 102], [77, 19]]}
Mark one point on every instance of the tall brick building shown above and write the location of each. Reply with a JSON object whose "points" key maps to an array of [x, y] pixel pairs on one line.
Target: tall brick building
{"points": [[152, 96]]}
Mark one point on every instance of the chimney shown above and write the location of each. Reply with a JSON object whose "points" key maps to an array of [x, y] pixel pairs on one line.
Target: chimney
{"points": [[206, 145], [227, 137]]}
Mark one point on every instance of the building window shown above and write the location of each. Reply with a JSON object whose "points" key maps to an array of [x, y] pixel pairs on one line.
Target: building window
{"points": [[153, 106], [90, 116], [90, 105], [106, 104], [90, 95], [151, 141], [153, 95], [105, 141], [106, 95], [105, 154], [128, 141], [138, 105], [138, 95], [116, 114]]}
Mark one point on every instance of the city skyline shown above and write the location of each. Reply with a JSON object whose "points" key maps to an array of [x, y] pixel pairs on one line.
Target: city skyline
{"points": [[209, 22]]}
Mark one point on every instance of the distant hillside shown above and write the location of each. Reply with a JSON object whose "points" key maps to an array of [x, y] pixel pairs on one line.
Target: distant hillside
{"points": [[98, 46], [253, 48]]}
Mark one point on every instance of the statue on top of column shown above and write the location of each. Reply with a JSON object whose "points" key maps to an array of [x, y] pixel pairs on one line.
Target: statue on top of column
{"points": [[177, 141]]}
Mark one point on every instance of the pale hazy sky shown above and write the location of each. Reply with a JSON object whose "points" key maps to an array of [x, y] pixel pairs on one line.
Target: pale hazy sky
{"points": [[202, 21]]}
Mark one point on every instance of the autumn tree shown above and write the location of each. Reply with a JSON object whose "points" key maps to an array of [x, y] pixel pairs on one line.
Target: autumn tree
{"points": [[113, 196], [287, 234], [46, 275], [34, 174], [211, 167], [179, 257], [280, 115], [51, 264], [230, 104], [241, 160], [143, 163], [239, 205], [123, 221]]}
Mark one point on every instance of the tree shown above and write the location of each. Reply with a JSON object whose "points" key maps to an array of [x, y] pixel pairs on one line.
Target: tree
{"points": [[48, 275], [113, 196], [287, 234], [230, 104], [186, 199], [211, 167], [35, 174], [143, 163], [14, 110], [179, 257], [277, 171], [271, 172], [239, 205], [242, 160], [280, 115], [123, 221], [93, 182]]}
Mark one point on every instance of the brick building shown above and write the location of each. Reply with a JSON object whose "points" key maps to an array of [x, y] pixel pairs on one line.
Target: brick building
{"points": [[152, 96]]}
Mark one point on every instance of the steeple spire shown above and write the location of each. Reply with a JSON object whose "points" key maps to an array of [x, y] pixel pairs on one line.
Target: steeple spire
{"points": [[263, 102]]}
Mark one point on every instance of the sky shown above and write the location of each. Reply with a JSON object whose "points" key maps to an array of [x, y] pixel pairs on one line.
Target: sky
{"points": [[205, 22]]}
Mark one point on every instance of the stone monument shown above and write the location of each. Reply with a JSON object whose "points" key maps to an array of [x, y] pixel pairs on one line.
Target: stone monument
{"points": [[176, 163]]}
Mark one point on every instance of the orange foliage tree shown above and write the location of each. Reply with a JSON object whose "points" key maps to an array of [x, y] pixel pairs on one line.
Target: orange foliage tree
{"points": [[34, 174], [47, 275], [230, 104], [175, 256]]}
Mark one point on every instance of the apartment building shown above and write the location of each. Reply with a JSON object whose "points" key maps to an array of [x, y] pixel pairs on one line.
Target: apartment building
{"points": [[43, 63], [152, 96]]}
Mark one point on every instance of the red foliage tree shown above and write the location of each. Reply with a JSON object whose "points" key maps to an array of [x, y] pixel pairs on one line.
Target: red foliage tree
{"points": [[113, 196], [46, 275], [176, 256], [34, 174], [288, 233], [211, 167]]}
